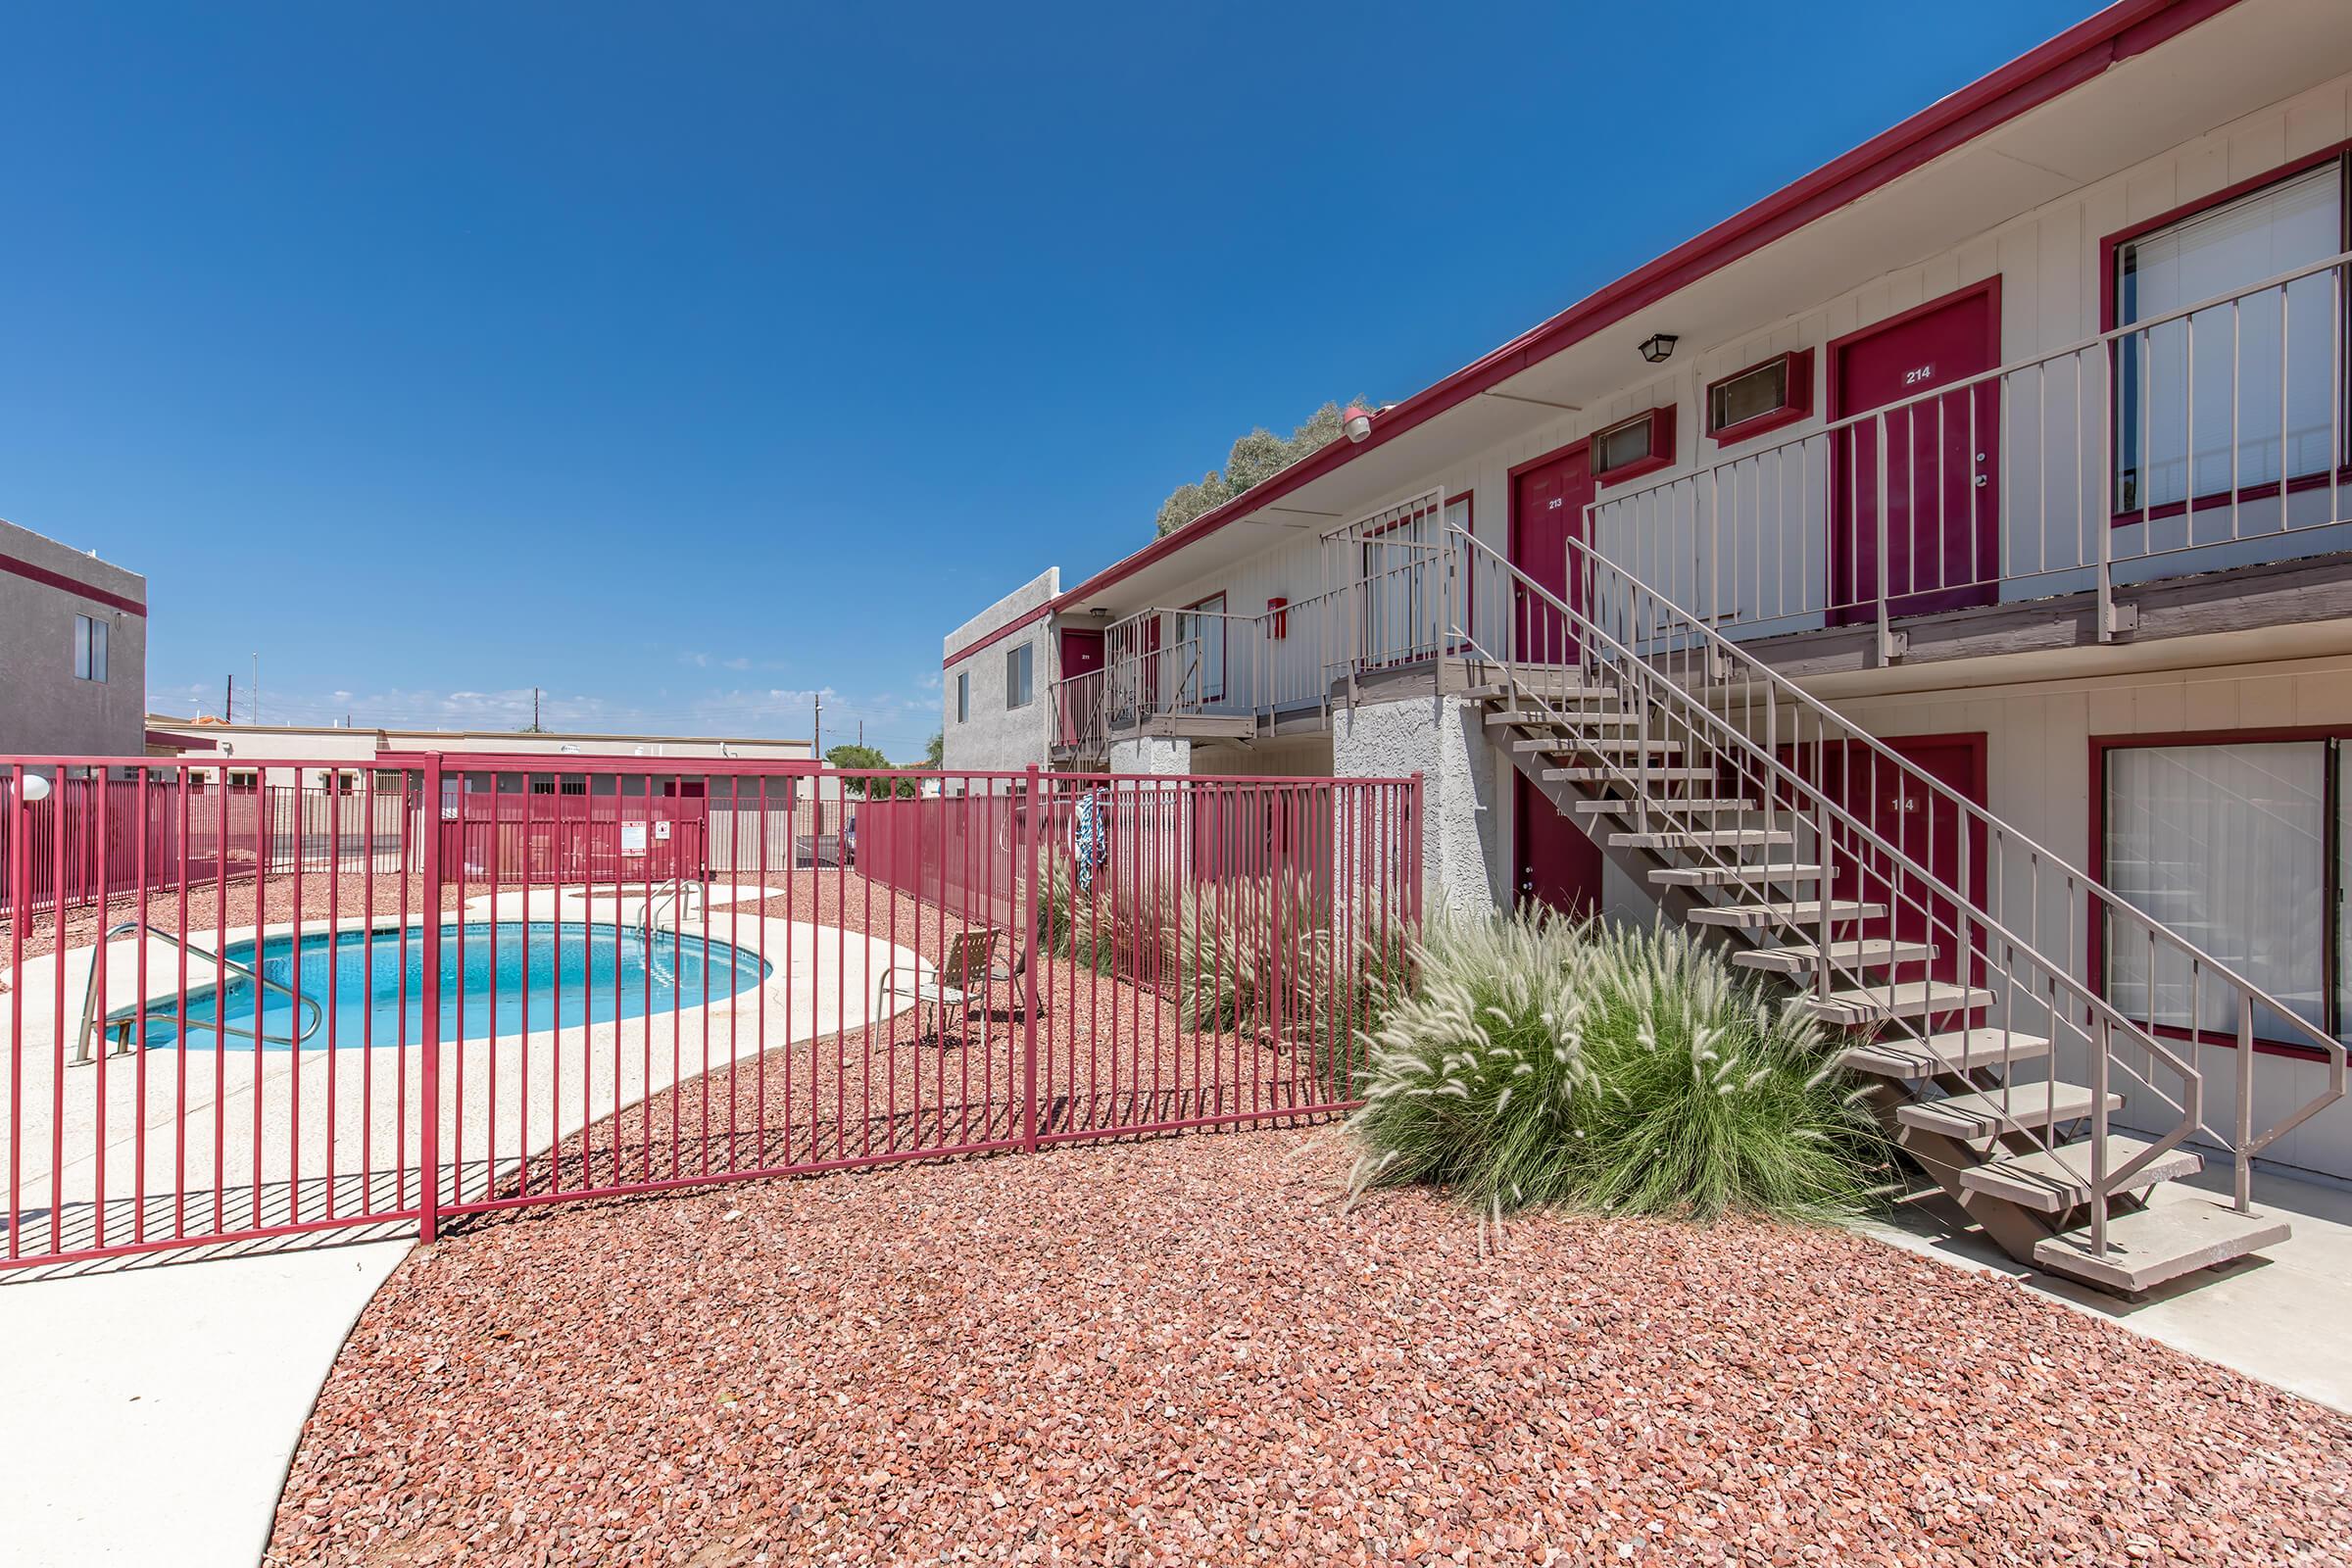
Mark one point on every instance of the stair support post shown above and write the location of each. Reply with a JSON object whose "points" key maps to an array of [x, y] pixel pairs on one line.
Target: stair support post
{"points": [[2242, 1174], [2100, 1040]]}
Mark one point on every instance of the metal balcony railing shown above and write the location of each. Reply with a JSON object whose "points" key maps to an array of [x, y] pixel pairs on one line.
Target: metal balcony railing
{"points": [[2205, 437]]}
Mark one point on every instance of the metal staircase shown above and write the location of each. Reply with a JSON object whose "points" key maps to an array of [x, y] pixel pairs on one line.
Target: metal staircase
{"points": [[1946, 950]]}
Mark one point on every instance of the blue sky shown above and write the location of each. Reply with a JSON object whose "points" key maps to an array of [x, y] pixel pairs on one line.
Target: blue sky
{"points": [[684, 360]]}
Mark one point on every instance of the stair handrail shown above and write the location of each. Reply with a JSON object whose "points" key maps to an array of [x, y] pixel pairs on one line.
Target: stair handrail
{"points": [[2110, 905], [220, 1024], [2106, 903], [2103, 1018]]}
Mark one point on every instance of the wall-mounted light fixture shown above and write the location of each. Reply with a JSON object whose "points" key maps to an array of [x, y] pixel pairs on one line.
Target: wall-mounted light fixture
{"points": [[1356, 421], [1657, 347]]}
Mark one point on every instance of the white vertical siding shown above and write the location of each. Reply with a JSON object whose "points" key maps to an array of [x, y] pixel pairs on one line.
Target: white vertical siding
{"points": [[2040, 780]]}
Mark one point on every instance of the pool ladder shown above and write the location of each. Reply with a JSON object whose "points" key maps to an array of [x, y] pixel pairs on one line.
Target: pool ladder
{"points": [[125, 1020], [681, 892]]}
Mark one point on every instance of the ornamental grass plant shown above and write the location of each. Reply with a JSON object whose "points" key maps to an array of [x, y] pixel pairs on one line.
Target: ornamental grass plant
{"points": [[1542, 1060]]}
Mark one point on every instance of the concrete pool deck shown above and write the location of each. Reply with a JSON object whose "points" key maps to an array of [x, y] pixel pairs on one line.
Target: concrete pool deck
{"points": [[278, 1138]]}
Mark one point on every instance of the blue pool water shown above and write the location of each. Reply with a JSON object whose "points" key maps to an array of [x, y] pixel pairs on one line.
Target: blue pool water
{"points": [[569, 973]]}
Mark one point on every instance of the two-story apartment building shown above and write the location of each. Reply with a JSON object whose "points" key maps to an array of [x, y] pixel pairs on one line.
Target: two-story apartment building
{"points": [[1969, 524], [73, 650]]}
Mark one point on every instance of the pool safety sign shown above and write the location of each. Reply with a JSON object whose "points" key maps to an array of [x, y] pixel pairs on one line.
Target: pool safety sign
{"points": [[632, 839]]}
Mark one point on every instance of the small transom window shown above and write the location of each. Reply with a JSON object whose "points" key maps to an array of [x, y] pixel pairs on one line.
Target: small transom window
{"points": [[1638, 445], [1763, 397]]}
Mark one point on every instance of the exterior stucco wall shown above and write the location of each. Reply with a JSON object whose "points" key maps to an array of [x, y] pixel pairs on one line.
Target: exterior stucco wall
{"points": [[1151, 753], [44, 707], [994, 735], [1464, 799]]}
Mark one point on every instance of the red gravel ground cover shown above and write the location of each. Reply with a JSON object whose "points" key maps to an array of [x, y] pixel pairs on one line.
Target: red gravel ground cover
{"points": [[1184, 1352]]}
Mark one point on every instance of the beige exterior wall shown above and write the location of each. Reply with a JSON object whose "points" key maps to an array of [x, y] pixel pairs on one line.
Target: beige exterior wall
{"points": [[993, 733], [44, 709], [2039, 779]]}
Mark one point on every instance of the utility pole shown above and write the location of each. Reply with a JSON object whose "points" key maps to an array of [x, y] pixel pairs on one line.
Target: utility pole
{"points": [[817, 740], [535, 711], [862, 732], [228, 702]]}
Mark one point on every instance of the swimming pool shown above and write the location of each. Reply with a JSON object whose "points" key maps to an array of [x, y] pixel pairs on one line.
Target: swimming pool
{"points": [[495, 977]]}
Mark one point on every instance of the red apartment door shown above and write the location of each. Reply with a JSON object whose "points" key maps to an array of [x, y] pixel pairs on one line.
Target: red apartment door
{"points": [[1081, 651], [1081, 654], [1895, 807], [1558, 863], [1548, 498], [1942, 459]]}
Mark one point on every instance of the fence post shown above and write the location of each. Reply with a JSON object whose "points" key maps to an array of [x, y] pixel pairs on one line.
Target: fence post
{"points": [[1032, 831], [428, 1128], [1415, 889]]}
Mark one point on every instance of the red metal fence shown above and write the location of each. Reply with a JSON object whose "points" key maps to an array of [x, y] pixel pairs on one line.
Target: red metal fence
{"points": [[465, 983]]}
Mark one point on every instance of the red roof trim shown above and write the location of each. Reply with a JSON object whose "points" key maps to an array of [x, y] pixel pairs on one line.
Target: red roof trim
{"points": [[1001, 632], [58, 579], [2081, 53]]}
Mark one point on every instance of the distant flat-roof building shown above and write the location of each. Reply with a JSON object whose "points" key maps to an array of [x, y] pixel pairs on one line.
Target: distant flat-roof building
{"points": [[73, 650], [231, 744]]}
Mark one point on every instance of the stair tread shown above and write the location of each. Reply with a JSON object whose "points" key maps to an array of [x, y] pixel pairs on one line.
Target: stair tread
{"points": [[1704, 838], [1988, 1113], [1756, 871], [1872, 953], [2055, 1180], [1601, 775], [1778, 911], [1947, 1051], [1606, 718], [1694, 805], [2159, 1243], [1904, 999]]}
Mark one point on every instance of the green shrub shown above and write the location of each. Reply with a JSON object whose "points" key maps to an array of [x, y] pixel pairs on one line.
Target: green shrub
{"points": [[1251, 952], [1543, 1061]]}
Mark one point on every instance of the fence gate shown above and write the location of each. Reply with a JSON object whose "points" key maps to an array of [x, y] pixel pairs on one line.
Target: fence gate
{"points": [[446, 984]]}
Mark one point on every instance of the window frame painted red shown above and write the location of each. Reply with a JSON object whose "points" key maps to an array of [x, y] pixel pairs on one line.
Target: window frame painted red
{"points": [[2110, 245], [1797, 399], [2096, 958], [1661, 420]]}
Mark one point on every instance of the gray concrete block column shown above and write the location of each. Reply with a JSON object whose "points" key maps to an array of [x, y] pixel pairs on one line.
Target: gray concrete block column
{"points": [[1156, 755], [1464, 831]]}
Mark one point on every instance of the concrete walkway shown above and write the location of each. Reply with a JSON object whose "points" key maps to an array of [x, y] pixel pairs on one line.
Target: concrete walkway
{"points": [[149, 1406], [2279, 1317], [148, 1414]]}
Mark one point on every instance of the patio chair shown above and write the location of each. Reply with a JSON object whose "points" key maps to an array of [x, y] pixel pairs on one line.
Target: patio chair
{"points": [[959, 982], [1009, 977]]}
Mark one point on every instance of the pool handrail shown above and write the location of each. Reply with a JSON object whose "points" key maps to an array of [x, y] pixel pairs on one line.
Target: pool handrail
{"points": [[676, 890], [221, 1023]]}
